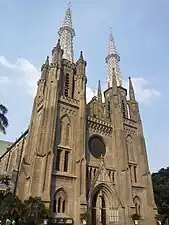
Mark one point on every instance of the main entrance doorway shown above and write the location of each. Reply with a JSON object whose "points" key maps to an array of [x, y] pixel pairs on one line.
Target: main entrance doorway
{"points": [[105, 206], [98, 209]]}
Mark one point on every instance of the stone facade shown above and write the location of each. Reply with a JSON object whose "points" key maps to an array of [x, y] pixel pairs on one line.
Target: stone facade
{"points": [[81, 157]]}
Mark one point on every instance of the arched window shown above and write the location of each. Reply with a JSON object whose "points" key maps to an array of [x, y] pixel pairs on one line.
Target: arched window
{"points": [[67, 134], [59, 204], [108, 109], [67, 85], [63, 206], [60, 201]]}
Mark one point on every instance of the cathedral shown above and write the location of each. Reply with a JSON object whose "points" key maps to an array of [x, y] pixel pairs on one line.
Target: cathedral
{"points": [[87, 161]]}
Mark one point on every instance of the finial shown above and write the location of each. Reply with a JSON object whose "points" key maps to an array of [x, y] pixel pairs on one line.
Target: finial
{"points": [[81, 55], [99, 92], [69, 4], [131, 90], [58, 44]]}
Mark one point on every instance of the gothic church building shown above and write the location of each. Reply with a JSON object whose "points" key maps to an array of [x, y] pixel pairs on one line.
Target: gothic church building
{"points": [[83, 157]]}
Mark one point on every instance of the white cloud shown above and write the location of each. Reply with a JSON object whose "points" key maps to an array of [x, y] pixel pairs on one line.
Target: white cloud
{"points": [[144, 93], [30, 74], [4, 81]]}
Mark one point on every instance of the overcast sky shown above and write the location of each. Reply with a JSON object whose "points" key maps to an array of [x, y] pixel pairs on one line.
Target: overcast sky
{"points": [[140, 28]]}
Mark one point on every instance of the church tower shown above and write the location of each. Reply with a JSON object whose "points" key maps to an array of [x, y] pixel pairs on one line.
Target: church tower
{"points": [[87, 161], [54, 164]]}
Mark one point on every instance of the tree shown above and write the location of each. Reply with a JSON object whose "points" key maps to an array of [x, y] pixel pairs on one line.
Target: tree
{"points": [[11, 207], [35, 210], [3, 119], [161, 192], [31, 211]]}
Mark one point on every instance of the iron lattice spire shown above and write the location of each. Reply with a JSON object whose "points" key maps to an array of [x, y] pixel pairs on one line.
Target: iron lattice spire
{"points": [[66, 35], [113, 60]]}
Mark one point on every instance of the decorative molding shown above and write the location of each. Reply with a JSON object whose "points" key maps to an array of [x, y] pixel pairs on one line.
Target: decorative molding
{"points": [[68, 64], [63, 175], [100, 126], [67, 110], [69, 101], [130, 123], [130, 130]]}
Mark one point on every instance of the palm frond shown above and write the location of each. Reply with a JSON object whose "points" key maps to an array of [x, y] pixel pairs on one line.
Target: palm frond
{"points": [[3, 120], [2, 128], [3, 109]]}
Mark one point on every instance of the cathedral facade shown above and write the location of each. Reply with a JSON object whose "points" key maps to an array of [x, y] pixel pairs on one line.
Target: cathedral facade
{"points": [[85, 160]]}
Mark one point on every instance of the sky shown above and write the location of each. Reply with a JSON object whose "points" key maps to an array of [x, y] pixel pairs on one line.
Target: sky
{"points": [[141, 32]]}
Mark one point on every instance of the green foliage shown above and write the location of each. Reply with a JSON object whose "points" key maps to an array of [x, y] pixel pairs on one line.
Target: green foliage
{"points": [[31, 211], [3, 119], [160, 182]]}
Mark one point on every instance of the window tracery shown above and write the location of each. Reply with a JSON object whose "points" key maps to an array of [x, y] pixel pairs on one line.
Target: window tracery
{"points": [[67, 85], [60, 201]]}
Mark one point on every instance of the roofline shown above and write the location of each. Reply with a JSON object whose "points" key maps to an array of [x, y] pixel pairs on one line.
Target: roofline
{"points": [[11, 146]]}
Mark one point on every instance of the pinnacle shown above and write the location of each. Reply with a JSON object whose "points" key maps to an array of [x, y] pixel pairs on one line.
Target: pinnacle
{"points": [[47, 61], [58, 44], [81, 55]]}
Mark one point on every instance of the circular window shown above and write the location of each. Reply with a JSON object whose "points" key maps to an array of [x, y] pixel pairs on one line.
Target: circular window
{"points": [[97, 146]]}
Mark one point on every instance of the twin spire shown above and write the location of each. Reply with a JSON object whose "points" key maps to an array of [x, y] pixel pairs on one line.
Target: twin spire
{"points": [[112, 61], [66, 35]]}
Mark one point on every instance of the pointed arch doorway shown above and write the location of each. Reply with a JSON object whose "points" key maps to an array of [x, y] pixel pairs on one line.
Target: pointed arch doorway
{"points": [[98, 202], [105, 206]]}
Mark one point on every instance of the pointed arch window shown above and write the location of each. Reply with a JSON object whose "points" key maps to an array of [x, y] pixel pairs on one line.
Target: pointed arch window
{"points": [[66, 161], [108, 109], [58, 156], [59, 202], [63, 206], [67, 81], [67, 134]]}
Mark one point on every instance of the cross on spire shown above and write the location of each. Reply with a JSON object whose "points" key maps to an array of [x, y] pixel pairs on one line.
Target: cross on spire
{"points": [[69, 4]]}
